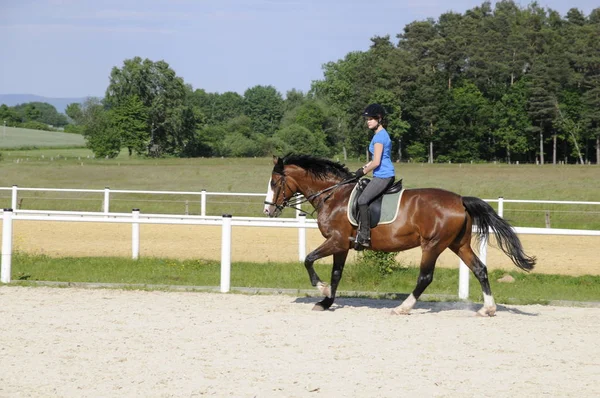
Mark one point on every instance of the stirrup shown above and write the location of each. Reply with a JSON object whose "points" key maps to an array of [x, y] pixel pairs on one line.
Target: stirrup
{"points": [[361, 244]]}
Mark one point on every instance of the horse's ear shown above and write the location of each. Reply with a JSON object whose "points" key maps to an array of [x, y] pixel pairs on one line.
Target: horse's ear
{"points": [[278, 162]]}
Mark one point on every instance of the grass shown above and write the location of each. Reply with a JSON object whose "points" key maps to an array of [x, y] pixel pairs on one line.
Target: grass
{"points": [[13, 137], [76, 168], [527, 288]]}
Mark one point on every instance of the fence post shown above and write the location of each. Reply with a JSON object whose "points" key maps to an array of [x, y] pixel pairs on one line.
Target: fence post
{"points": [[301, 237], [106, 200], [13, 202], [7, 241], [501, 206], [226, 254], [135, 234], [203, 202]]}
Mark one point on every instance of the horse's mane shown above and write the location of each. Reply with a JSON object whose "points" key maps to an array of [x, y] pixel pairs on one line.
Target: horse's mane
{"points": [[318, 167]]}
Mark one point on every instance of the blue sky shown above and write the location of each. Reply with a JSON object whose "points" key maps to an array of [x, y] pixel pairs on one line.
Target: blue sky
{"points": [[67, 48]]}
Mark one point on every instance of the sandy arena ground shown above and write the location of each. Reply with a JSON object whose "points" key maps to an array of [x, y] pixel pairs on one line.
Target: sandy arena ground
{"points": [[568, 255], [114, 343]]}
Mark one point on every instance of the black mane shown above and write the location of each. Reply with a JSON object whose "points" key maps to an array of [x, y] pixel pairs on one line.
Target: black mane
{"points": [[318, 167]]}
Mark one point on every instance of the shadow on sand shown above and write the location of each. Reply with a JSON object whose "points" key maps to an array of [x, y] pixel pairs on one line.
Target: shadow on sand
{"points": [[429, 307]]}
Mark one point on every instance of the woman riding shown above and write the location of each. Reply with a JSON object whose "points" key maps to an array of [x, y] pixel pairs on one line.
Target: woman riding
{"points": [[381, 165]]}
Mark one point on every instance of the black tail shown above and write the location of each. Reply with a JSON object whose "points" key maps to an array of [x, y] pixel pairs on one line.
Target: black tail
{"points": [[486, 218]]}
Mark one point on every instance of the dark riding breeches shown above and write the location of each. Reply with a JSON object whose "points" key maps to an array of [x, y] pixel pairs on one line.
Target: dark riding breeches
{"points": [[373, 190]]}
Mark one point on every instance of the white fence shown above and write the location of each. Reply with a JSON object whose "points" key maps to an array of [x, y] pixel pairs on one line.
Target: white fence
{"points": [[135, 219], [203, 195], [106, 194], [226, 222]]}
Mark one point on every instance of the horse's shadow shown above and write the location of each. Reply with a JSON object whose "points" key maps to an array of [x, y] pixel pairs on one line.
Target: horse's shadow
{"points": [[430, 307]]}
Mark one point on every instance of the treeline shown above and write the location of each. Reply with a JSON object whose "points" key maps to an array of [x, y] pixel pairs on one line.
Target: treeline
{"points": [[504, 83], [507, 84], [33, 115]]}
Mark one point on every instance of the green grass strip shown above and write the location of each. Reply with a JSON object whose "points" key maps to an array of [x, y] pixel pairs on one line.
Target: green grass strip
{"points": [[526, 288]]}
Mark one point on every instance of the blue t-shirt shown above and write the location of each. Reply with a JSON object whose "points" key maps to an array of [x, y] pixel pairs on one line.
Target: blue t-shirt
{"points": [[386, 167]]}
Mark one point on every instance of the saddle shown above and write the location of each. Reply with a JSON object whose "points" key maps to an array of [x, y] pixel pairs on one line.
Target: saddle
{"points": [[378, 207]]}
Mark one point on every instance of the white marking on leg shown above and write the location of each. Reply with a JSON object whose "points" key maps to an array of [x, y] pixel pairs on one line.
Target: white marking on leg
{"points": [[270, 194], [324, 288], [406, 306], [489, 306]]}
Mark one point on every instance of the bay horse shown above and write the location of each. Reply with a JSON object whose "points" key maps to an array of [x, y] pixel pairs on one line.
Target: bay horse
{"points": [[434, 219]]}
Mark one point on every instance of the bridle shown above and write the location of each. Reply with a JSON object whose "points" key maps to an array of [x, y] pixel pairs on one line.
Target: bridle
{"points": [[296, 199]]}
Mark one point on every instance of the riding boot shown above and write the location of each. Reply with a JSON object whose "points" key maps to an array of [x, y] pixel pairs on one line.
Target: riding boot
{"points": [[363, 237]]}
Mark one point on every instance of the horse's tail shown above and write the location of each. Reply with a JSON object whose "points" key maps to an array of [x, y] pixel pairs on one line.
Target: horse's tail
{"points": [[485, 218]]}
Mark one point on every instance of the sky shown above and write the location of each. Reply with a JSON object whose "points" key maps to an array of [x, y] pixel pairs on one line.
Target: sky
{"points": [[67, 48]]}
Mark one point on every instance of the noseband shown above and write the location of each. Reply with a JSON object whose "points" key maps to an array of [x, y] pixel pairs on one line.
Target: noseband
{"points": [[286, 201]]}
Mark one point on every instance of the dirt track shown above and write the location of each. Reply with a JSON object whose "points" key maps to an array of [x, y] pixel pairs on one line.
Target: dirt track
{"points": [[116, 343], [568, 255]]}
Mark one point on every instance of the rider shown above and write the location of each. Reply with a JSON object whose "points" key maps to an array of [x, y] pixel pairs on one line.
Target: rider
{"points": [[381, 165]]}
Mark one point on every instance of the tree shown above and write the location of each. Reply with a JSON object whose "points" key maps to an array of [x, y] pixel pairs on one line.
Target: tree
{"points": [[9, 115], [301, 140], [341, 90], [98, 131], [463, 130], [41, 112], [509, 122], [73, 111], [129, 120], [171, 121], [264, 106]]}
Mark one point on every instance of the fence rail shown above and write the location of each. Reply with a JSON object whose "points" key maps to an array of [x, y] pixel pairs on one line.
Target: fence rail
{"points": [[106, 196]]}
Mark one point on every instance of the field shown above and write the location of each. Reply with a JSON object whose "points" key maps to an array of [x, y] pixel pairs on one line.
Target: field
{"points": [[11, 137]]}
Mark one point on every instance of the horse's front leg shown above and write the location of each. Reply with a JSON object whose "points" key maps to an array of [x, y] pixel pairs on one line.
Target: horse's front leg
{"points": [[329, 247], [339, 260]]}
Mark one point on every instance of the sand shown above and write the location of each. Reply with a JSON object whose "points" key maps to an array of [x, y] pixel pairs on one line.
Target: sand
{"points": [[113, 343]]}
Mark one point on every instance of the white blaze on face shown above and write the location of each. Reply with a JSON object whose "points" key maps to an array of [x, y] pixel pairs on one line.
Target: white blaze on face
{"points": [[270, 198]]}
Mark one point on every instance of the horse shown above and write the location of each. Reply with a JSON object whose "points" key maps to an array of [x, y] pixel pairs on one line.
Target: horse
{"points": [[432, 218]]}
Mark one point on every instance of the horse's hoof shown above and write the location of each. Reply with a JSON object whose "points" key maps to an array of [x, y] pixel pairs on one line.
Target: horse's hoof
{"points": [[396, 311], [484, 312], [318, 307]]}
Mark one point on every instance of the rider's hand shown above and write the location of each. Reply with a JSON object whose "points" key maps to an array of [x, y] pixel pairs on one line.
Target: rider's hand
{"points": [[359, 173]]}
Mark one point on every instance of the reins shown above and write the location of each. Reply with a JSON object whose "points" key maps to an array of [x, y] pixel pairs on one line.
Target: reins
{"points": [[295, 200]]}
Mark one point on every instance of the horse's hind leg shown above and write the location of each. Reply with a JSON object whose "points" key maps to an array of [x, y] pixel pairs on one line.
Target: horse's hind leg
{"points": [[466, 254], [428, 259]]}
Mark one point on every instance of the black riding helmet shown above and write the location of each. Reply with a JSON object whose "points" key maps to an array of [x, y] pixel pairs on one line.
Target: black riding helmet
{"points": [[374, 110]]}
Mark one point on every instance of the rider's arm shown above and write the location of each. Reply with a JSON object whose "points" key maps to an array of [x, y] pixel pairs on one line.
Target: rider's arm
{"points": [[377, 155]]}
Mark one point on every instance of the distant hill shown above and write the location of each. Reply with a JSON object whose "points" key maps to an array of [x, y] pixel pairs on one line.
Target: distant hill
{"points": [[59, 103]]}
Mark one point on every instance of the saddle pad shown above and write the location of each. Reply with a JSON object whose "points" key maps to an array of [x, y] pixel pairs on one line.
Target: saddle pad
{"points": [[389, 207]]}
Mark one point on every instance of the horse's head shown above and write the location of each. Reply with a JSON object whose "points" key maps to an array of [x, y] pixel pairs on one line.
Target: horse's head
{"points": [[304, 175], [279, 190]]}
